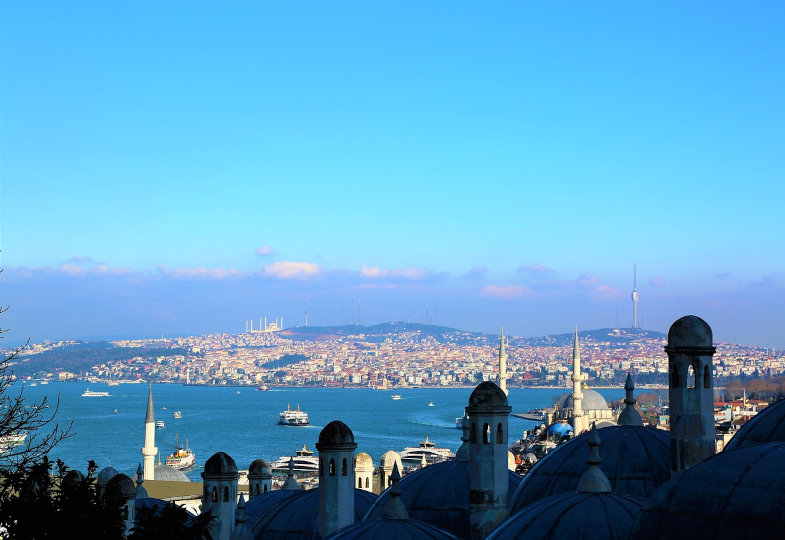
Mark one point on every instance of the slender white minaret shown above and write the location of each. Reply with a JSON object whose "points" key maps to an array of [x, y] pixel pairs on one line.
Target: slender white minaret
{"points": [[149, 449], [634, 297], [503, 363], [577, 380]]}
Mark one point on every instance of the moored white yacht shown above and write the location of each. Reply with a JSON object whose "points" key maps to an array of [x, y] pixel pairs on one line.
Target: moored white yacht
{"points": [[428, 450], [304, 462]]}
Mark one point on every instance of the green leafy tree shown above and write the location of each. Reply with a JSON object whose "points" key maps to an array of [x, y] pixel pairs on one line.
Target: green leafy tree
{"points": [[171, 522]]}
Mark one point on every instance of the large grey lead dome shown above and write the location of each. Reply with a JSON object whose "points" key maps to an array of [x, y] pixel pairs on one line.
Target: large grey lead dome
{"points": [[766, 426], [169, 474], [592, 400]]}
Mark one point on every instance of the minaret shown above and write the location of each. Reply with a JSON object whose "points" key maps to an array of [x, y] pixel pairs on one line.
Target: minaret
{"points": [[691, 392], [634, 297], [577, 380], [503, 363], [149, 449]]}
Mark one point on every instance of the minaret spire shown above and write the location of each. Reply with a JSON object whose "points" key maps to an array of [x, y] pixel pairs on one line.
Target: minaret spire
{"points": [[577, 380], [503, 363], [149, 450]]}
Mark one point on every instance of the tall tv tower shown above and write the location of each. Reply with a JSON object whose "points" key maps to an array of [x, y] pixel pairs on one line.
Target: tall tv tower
{"points": [[306, 312], [634, 297]]}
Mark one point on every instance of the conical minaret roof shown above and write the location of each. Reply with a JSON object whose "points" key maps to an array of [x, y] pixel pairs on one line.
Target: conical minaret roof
{"points": [[150, 416]]}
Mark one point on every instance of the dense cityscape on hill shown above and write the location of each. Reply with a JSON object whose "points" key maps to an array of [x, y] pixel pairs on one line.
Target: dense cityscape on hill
{"points": [[389, 354]]}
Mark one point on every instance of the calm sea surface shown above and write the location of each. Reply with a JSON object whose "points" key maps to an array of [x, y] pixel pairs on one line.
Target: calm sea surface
{"points": [[242, 422]]}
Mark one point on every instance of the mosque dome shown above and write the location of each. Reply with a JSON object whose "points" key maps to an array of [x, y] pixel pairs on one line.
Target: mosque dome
{"points": [[363, 462], [766, 426], [220, 463], [389, 459], [72, 479], [487, 394], [169, 474], [573, 515], [297, 516], [592, 400], [257, 506], [259, 467], [690, 331], [120, 487], [106, 474], [636, 460], [392, 529], [438, 494], [335, 434], [738, 494]]}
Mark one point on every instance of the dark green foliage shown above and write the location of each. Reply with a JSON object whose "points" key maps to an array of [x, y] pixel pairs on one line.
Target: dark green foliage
{"points": [[171, 522]]}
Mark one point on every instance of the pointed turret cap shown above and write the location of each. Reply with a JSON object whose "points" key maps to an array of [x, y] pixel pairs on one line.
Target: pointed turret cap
{"points": [[594, 479], [290, 482], [150, 416], [395, 509], [576, 348], [630, 415], [502, 350]]}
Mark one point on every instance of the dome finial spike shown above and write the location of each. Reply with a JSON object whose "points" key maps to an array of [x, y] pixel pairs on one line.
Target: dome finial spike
{"points": [[291, 481], [395, 509], [594, 479], [630, 415]]}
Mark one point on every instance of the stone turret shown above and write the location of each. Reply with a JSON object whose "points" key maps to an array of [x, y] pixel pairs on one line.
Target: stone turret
{"points": [[363, 471], [121, 492], [149, 449], [336, 448], [260, 478], [690, 364], [488, 413], [630, 415], [220, 478], [386, 464]]}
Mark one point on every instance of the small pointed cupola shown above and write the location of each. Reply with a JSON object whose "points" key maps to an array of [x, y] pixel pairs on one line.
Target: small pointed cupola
{"points": [[141, 492], [291, 481], [462, 454], [630, 415], [241, 530], [395, 509], [594, 479]]}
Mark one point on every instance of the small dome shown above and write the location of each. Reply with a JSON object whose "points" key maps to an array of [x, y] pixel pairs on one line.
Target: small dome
{"points": [[392, 529], [220, 463], [573, 515], [298, 516], [168, 473], [363, 462], [488, 394], [389, 459], [259, 467], [121, 487], [592, 401], [636, 460], [738, 494], [72, 479], [439, 494], [690, 331], [336, 434], [766, 426], [106, 474]]}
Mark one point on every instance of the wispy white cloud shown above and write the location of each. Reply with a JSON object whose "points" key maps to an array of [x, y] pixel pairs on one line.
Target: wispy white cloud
{"points": [[476, 272], [657, 281], [588, 280], [402, 273], [604, 292], [506, 291], [200, 272], [536, 268], [264, 251], [291, 270]]}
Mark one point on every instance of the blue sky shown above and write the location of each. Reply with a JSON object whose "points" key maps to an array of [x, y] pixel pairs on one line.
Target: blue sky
{"points": [[181, 168]]}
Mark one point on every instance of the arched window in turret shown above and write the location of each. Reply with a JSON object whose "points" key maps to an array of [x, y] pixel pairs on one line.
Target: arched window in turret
{"points": [[214, 496], [332, 467], [690, 376], [257, 488], [226, 493], [360, 483], [321, 467], [344, 467], [486, 434], [675, 376], [265, 489], [367, 484], [706, 377], [474, 433], [499, 434]]}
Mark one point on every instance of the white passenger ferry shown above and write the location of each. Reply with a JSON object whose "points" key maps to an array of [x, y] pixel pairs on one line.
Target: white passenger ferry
{"points": [[291, 417]]}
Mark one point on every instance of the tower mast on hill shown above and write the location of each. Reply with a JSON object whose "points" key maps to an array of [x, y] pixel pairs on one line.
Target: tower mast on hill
{"points": [[634, 297], [306, 312]]}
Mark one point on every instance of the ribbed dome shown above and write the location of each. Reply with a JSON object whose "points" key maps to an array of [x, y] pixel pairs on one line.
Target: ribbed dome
{"points": [[439, 494], [392, 529], [766, 426], [588, 516], [169, 474], [636, 460], [298, 516], [592, 400], [738, 494], [689, 331], [259, 467], [220, 463], [336, 434], [120, 487], [488, 394]]}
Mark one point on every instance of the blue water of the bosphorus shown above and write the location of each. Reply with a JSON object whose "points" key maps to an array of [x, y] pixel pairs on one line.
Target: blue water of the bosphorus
{"points": [[244, 424]]}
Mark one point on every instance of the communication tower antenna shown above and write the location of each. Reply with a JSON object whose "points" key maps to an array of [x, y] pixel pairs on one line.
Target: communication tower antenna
{"points": [[306, 312], [634, 296]]}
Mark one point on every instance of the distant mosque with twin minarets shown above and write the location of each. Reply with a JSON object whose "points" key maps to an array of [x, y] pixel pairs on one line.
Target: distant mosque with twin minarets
{"points": [[608, 480]]}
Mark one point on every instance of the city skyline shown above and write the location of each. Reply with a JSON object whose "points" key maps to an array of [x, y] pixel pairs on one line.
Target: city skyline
{"points": [[503, 165]]}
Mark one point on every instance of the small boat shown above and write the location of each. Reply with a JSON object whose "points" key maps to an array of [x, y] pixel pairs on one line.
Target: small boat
{"points": [[159, 424], [182, 458], [238, 392], [115, 411], [291, 417], [396, 397], [33, 384], [113, 383], [90, 393], [430, 404], [304, 462], [177, 414], [11, 440], [262, 388], [427, 450]]}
